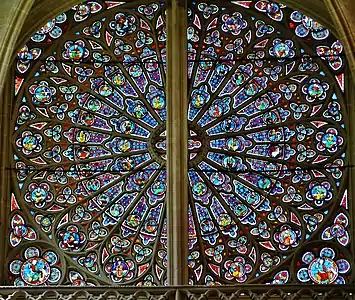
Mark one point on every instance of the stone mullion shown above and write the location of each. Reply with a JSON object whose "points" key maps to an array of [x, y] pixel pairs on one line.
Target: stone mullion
{"points": [[177, 135]]}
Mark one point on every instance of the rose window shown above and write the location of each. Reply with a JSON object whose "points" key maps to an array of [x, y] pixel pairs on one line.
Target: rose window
{"points": [[267, 148]]}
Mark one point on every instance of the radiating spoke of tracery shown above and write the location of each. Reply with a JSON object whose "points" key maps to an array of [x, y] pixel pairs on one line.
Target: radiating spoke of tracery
{"points": [[268, 199], [88, 203]]}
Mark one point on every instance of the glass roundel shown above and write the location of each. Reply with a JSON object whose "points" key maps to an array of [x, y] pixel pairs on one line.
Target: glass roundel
{"points": [[89, 183], [268, 200]]}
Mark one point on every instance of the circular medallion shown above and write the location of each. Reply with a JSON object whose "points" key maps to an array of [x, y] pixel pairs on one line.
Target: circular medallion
{"points": [[275, 151], [158, 188], [141, 178], [135, 71], [82, 136], [199, 188], [120, 268], [125, 164], [264, 183], [46, 221], [119, 79], [207, 226], [35, 271], [267, 261], [93, 185], [105, 90], [133, 220], [238, 78], [222, 69], [319, 192], [88, 119], [215, 110], [43, 93], [282, 50], [237, 269], [329, 140], [30, 143], [275, 135], [217, 178], [251, 89], [224, 220], [151, 66], [315, 90], [229, 162], [71, 239], [150, 226], [253, 198], [75, 52], [234, 144], [229, 125], [287, 237], [240, 210], [127, 127], [116, 210], [94, 104], [270, 117], [262, 103], [39, 195], [323, 270], [83, 153]]}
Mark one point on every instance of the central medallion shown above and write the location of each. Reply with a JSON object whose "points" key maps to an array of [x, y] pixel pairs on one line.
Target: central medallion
{"points": [[158, 144]]}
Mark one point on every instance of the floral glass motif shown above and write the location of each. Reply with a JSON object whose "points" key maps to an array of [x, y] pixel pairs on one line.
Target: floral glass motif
{"points": [[89, 183], [267, 182]]}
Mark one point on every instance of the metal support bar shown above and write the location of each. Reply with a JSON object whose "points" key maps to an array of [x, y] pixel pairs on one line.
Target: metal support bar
{"points": [[177, 135]]}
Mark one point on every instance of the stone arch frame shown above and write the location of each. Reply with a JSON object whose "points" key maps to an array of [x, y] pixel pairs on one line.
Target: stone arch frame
{"points": [[20, 18]]}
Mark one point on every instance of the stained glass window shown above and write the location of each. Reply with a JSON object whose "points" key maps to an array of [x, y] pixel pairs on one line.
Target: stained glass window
{"points": [[268, 188], [88, 193], [267, 148]]}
